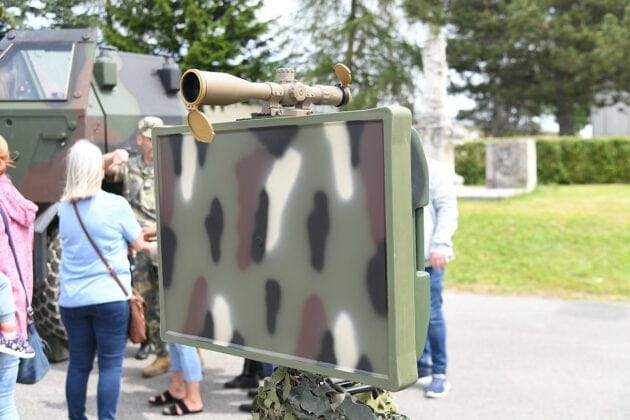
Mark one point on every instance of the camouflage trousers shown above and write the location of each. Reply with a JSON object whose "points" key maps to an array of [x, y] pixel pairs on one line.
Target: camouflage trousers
{"points": [[145, 280]]}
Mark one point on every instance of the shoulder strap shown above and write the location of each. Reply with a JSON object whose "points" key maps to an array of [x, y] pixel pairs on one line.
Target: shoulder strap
{"points": [[98, 251], [7, 229]]}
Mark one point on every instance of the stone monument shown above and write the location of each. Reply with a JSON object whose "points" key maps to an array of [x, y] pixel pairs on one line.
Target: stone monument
{"points": [[511, 164]]}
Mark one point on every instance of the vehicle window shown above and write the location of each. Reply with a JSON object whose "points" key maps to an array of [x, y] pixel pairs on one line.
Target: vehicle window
{"points": [[36, 72]]}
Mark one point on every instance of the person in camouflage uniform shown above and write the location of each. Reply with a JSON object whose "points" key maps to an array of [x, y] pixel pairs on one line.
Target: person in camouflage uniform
{"points": [[136, 173]]}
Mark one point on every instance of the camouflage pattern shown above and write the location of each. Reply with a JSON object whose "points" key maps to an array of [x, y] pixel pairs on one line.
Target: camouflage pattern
{"points": [[291, 241], [290, 394], [58, 86], [138, 188], [39, 130], [145, 280]]}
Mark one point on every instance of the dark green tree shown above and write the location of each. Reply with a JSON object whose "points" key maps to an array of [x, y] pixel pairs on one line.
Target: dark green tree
{"points": [[213, 35], [7, 18], [72, 13], [519, 58], [13, 14], [367, 37]]}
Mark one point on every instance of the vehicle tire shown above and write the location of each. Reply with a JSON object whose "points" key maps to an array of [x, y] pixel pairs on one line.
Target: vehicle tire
{"points": [[46, 303]]}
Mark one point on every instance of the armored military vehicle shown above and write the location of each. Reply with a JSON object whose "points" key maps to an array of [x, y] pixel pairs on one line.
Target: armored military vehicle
{"points": [[57, 86]]}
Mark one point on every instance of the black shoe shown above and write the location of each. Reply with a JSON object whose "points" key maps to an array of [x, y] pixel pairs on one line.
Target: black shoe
{"points": [[243, 381], [144, 350], [247, 408], [252, 393]]}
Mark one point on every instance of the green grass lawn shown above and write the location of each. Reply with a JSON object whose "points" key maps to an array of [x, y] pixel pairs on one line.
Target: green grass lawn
{"points": [[567, 241]]}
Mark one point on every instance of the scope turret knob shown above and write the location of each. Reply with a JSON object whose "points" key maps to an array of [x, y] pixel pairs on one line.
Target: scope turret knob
{"points": [[285, 75], [298, 92]]}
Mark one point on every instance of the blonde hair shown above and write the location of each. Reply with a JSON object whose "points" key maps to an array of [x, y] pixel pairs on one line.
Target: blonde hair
{"points": [[5, 156], [84, 171]]}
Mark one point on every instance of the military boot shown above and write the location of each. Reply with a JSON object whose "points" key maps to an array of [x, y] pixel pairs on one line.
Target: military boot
{"points": [[160, 365], [143, 352], [248, 377], [246, 408]]}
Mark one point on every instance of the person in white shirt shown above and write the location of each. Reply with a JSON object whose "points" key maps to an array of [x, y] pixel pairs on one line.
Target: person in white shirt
{"points": [[440, 223]]}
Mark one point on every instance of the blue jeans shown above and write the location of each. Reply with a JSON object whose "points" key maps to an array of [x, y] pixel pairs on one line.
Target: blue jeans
{"points": [[95, 329], [433, 359], [8, 375], [185, 359]]}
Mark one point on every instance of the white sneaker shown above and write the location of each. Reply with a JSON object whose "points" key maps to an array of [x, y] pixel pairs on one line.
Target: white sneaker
{"points": [[425, 381], [438, 388]]}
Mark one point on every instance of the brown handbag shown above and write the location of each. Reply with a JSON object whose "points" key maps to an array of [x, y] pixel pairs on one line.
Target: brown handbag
{"points": [[137, 324]]}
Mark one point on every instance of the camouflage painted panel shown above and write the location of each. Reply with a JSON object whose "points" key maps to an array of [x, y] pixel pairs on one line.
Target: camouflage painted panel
{"points": [[273, 239]]}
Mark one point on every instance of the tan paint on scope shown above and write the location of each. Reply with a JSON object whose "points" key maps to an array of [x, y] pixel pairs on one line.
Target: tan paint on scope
{"points": [[212, 88]]}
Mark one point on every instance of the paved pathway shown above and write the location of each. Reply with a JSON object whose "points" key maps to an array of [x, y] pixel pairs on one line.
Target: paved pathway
{"points": [[510, 358]]}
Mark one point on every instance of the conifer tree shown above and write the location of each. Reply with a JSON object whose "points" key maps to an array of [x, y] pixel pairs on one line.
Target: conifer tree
{"points": [[525, 57], [212, 35], [367, 36]]}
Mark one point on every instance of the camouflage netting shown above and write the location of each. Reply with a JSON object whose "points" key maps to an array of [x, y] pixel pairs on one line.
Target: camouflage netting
{"points": [[293, 394]]}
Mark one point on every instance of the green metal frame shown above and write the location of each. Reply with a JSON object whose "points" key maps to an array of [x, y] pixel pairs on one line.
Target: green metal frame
{"points": [[408, 286]]}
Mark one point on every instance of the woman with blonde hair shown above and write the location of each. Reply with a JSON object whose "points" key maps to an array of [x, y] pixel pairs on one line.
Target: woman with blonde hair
{"points": [[20, 216], [93, 306]]}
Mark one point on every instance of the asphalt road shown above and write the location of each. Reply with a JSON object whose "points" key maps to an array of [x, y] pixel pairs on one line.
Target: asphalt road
{"points": [[510, 358]]}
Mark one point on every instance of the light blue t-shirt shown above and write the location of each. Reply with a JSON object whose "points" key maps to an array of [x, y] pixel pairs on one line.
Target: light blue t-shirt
{"points": [[84, 278]]}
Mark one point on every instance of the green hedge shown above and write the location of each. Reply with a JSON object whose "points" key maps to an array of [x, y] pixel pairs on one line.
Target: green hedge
{"points": [[470, 162], [559, 161]]}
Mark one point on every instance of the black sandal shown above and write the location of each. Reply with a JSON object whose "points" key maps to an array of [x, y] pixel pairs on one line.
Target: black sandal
{"points": [[163, 398], [172, 409]]}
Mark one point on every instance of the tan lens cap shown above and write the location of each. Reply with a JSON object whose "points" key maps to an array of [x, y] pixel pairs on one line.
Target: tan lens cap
{"points": [[343, 74], [200, 126]]}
